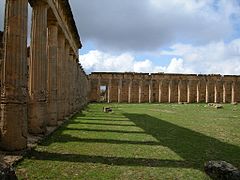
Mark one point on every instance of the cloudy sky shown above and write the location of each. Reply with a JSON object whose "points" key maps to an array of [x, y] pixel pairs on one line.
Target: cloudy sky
{"points": [[174, 36]]}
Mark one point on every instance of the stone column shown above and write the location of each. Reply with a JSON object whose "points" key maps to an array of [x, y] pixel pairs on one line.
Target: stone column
{"points": [[38, 69], [52, 72], [191, 92], [234, 99], [14, 77], [72, 82], [109, 90], [140, 92], [170, 91], [198, 92], [218, 91], [98, 89], [119, 90], [207, 92], [150, 91], [179, 91], [130, 91], [60, 54], [65, 78], [227, 92], [159, 91]]}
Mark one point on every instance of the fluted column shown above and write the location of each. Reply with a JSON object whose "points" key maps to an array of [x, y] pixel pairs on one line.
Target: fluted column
{"points": [[65, 79], [109, 90], [159, 91], [14, 77], [150, 91], [198, 92], [60, 55], [72, 63], [119, 90], [207, 92], [140, 91], [234, 99], [98, 89], [190, 92], [38, 69], [218, 91], [130, 91], [52, 72], [227, 93], [170, 91]]}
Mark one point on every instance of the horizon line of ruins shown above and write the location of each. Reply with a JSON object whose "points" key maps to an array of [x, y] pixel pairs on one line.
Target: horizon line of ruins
{"points": [[43, 85]]}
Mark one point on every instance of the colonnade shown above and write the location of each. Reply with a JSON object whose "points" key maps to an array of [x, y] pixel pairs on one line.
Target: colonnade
{"points": [[44, 87], [165, 88]]}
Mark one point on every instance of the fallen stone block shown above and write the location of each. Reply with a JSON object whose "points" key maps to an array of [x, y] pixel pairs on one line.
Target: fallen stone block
{"points": [[221, 170], [107, 109], [7, 172], [218, 106]]}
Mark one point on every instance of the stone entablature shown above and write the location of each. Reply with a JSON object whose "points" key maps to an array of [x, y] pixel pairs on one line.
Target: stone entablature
{"points": [[165, 88]]}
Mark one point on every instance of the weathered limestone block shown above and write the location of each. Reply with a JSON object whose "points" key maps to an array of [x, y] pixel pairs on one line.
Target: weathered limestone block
{"points": [[7, 172], [221, 170], [13, 124]]}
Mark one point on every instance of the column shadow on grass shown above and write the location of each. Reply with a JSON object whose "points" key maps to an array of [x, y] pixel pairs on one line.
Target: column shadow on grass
{"points": [[195, 148], [192, 146], [105, 130], [113, 161]]}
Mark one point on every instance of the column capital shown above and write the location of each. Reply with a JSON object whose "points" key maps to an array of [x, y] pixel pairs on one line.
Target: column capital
{"points": [[35, 3]]}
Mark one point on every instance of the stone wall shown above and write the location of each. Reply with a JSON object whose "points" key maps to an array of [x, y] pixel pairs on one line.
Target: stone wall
{"points": [[165, 88]]}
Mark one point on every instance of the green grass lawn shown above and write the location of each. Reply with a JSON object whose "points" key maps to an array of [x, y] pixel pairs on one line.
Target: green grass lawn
{"points": [[138, 141]]}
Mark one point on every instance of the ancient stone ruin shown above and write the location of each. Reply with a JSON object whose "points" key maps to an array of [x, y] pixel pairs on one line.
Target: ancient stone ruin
{"points": [[49, 85], [43, 84], [164, 88]]}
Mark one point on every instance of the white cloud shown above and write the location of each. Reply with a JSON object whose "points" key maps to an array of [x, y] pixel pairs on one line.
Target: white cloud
{"points": [[97, 61], [140, 26], [215, 57]]}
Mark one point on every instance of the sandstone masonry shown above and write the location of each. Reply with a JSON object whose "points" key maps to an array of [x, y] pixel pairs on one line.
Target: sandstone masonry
{"points": [[165, 88]]}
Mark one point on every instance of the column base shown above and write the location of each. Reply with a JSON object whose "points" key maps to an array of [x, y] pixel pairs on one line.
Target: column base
{"points": [[52, 111], [37, 118], [13, 127]]}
